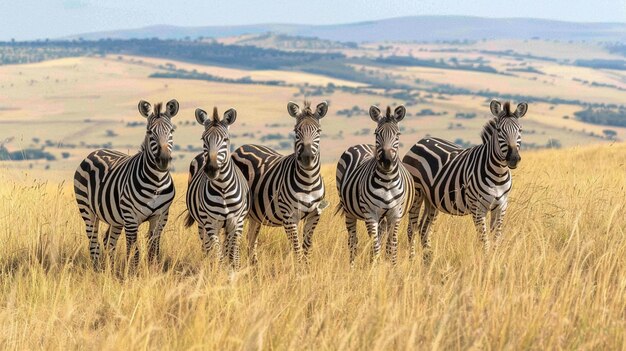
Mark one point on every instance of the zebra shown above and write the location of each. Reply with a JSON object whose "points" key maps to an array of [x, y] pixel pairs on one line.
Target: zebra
{"points": [[125, 191], [217, 194], [374, 186], [458, 181], [286, 189]]}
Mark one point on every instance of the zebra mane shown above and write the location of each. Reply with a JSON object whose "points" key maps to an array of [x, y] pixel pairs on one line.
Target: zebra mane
{"points": [[488, 130], [388, 118], [157, 110], [214, 120], [306, 114], [506, 109], [306, 109]]}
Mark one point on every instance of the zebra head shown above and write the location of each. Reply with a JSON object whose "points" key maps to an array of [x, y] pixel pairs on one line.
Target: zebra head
{"points": [[159, 142], [508, 131], [387, 136], [307, 133], [216, 140]]}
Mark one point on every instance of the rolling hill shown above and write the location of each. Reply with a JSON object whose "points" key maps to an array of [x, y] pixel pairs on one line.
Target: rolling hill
{"points": [[414, 28]]}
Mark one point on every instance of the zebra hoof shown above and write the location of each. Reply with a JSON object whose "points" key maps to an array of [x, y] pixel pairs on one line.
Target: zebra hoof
{"points": [[323, 204]]}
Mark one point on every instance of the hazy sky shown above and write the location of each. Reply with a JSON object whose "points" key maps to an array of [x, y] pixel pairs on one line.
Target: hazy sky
{"points": [[37, 19]]}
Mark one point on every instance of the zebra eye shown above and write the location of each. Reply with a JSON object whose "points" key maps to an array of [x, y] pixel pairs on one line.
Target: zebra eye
{"points": [[149, 132]]}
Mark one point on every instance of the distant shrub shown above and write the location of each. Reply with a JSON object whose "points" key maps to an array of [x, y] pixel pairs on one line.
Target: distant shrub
{"points": [[25, 154], [604, 116], [465, 115]]}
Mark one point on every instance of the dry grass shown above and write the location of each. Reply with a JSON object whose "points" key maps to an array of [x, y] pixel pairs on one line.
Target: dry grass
{"points": [[558, 281]]}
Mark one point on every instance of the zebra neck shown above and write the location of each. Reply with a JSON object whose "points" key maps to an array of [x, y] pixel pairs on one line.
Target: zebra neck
{"points": [[308, 174], [495, 159]]}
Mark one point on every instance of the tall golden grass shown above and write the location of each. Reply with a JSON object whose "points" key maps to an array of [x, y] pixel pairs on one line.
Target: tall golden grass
{"points": [[557, 282]]}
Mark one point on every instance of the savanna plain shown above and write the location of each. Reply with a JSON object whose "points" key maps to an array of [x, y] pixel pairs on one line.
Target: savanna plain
{"points": [[558, 281]]}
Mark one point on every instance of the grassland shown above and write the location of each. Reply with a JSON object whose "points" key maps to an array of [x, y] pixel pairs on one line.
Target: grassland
{"points": [[557, 282], [70, 106]]}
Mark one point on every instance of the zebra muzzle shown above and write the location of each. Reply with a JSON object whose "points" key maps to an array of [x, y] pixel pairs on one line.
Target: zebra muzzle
{"points": [[306, 159], [211, 171], [512, 158]]}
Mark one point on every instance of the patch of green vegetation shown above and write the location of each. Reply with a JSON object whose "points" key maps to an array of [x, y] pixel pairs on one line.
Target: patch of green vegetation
{"points": [[194, 75], [25, 154], [527, 69], [182, 50], [451, 64], [604, 116], [602, 64]]}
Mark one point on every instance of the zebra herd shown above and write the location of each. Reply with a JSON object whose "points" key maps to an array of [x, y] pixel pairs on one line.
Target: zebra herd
{"points": [[267, 188]]}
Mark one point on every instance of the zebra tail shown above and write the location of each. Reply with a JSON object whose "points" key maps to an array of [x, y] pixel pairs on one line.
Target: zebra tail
{"points": [[338, 209], [189, 220]]}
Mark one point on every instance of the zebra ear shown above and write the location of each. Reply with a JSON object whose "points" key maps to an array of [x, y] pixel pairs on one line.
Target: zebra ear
{"points": [[201, 116], [230, 116], [521, 110], [321, 110], [375, 113], [144, 108], [293, 109], [495, 107], [399, 113], [172, 108]]}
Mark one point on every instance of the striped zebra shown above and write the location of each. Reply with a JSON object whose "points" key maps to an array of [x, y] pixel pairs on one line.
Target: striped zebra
{"points": [[125, 191], [217, 194], [461, 181], [286, 189], [374, 186]]}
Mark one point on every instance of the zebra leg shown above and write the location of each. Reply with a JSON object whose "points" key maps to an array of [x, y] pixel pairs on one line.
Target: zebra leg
{"points": [[353, 240], [201, 233], [310, 223], [233, 237], [157, 223], [392, 239], [291, 229], [481, 226], [212, 241], [372, 230], [91, 226], [412, 226], [497, 218], [253, 239], [428, 218], [132, 251], [110, 240], [383, 230]]}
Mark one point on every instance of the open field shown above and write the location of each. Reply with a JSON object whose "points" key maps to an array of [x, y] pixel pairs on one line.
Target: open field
{"points": [[71, 106], [557, 282]]}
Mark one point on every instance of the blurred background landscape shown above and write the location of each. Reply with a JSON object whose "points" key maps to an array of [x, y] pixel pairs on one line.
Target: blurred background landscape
{"points": [[64, 96]]}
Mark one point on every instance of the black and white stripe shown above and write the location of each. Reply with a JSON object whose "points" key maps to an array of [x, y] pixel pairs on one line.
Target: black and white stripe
{"points": [[460, 181], [217, 195], [125, 191], [374, 186], [286, 189]]}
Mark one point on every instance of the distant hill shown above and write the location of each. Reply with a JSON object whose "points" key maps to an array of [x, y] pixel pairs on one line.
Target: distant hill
{"points": [[416, 28]]}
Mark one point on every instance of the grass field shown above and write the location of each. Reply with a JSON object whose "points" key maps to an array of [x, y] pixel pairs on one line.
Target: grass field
{"points": [[67, 106], [557, 282]]}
